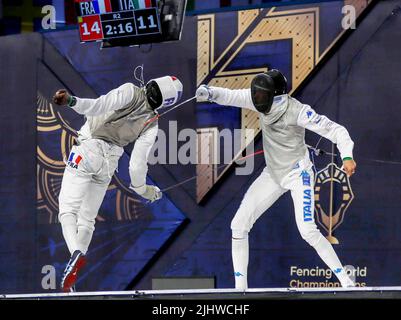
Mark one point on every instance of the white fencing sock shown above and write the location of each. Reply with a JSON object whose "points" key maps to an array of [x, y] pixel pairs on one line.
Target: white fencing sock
{"points": [[328, 255], [69, 226], [86, 227], [84, 238], [240, 256]]}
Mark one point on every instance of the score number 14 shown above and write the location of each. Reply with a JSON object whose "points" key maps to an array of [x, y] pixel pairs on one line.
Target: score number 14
{"points": [[94, 29], [90, 28]]}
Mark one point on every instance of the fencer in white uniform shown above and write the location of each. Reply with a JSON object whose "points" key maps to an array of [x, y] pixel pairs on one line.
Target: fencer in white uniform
{"points": [[122, 116], [288, 167]]}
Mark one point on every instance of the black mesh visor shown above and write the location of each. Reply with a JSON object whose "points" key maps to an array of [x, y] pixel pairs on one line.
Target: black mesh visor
{"points": [[154, 95], [262, 89]]}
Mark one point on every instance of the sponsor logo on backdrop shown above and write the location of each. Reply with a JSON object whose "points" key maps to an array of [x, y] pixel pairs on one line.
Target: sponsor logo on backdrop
{"points": [[330, 212], [324, 278]]}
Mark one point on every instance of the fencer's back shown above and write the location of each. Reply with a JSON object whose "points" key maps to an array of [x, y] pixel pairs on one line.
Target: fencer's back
{"points": [[125, 125]]}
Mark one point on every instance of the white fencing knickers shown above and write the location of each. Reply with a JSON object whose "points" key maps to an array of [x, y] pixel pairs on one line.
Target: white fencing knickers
{"points": [[263, 192], [90, 167]]}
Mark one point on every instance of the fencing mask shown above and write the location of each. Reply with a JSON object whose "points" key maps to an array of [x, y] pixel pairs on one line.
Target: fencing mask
{"points": [[265, 87], [163, 92]]}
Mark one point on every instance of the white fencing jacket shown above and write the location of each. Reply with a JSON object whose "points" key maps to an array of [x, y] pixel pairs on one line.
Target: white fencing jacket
{"points": [[284, 127], [119, 118]]}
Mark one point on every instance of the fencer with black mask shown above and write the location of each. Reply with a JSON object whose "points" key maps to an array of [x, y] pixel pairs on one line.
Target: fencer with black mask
{"points": [[283, 120], [113, 121]]}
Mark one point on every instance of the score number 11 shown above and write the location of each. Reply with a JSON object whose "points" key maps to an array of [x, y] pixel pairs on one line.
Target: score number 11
{"points": [[142, 24]]}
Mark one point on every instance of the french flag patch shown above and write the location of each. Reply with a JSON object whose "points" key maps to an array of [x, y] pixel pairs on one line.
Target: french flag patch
{"points": [[74, 160]]}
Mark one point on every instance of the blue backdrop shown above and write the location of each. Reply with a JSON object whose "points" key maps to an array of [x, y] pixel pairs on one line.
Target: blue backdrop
{"points": [[356, 86]]}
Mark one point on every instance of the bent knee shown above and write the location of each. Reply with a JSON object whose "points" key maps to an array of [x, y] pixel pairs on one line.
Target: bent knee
{"points": [[68, 206], [238, 229], [67, 217], [311, 236], [242, 222], [239, 234], [85, 223]]}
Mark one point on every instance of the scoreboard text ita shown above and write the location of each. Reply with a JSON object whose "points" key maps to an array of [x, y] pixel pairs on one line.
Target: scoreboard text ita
{"points": [[108, 19]]}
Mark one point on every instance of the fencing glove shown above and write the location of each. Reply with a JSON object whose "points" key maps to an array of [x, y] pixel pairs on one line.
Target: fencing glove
{"points": [[204, 93], [151, 193]]}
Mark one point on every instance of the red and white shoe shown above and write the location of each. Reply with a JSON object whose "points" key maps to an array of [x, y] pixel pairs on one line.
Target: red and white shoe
{"points": [[70, 275]]}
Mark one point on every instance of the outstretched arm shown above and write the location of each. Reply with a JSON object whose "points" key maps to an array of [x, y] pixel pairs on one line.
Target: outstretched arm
{"points": [[138, 165], [331, 130], [227, 97], [114, 100]]}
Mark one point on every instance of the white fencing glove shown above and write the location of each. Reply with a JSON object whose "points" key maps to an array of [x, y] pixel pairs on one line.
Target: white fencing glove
{"points": [[204, 93], [151, 193]]}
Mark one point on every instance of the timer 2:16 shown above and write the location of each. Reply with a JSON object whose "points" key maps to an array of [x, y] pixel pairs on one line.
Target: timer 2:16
{"points": [[119, 29]]}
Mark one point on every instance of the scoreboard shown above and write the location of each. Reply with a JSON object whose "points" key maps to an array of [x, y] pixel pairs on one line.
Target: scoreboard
{"points": [[102, 20]]}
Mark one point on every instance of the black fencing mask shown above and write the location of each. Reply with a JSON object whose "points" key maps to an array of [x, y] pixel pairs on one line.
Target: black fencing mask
{"points": [[265, 87], [154, 95]]}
